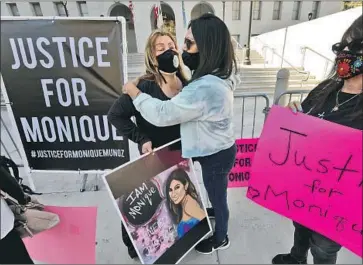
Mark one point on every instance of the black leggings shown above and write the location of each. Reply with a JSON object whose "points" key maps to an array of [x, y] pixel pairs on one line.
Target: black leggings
{"points": [[126, 239], [13, 251]]}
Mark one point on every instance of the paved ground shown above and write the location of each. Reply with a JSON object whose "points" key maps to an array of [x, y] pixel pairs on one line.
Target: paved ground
{"points": [[256, 234]]}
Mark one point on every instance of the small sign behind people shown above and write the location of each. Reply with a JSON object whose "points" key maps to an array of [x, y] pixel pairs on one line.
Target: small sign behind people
{"points": [[240, 173]]}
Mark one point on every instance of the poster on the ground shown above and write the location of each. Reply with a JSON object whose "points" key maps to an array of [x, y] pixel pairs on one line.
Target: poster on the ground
{"points": [[160, 204], [310, 170], [61, 77]]}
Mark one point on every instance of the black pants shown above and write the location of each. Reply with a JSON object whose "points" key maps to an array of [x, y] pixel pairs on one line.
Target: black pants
{"points": [[13, 251], [324, 250], [215, 169], [126, 239]]}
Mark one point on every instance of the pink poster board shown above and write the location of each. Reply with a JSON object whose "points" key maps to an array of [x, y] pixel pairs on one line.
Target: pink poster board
{"points": [[240, 173], [310, 171], [72, 241]]}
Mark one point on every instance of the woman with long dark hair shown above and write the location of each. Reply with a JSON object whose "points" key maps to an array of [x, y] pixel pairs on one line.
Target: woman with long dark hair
{"points": [[183, 201], [338, 99], [204, 110]]}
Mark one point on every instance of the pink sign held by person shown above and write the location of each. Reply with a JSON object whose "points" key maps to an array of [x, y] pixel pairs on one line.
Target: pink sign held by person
{"points": [[310, 171], [72, 241], [240, 173]]}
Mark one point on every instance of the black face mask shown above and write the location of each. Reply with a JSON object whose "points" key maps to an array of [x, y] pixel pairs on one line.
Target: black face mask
{"points": [[191, 60], [168, 61]]}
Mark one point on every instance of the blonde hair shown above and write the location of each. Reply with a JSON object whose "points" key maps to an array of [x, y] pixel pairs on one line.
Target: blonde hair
{"points": [[151, 71]]}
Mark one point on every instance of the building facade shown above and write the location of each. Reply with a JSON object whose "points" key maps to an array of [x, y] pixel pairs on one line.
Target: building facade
{"points": [[140, 15]]}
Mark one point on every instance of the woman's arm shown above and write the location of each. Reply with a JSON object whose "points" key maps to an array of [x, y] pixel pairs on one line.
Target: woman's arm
{"points": [[185, 106], [120, 115], [9, 185]]}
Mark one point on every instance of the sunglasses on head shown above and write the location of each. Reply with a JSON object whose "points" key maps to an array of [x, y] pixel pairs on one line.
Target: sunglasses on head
{"points": [[355, 46], [188, 43]]}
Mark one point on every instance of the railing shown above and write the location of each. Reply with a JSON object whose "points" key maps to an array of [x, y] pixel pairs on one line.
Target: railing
{"points": [[327, 60], [239, 46], [265, 107], [306, 73], [294, 95], [265, 47]]}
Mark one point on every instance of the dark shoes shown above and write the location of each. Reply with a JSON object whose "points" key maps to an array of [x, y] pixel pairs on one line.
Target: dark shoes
{"points": [[210, 212], [286, 259], [208, 246]]}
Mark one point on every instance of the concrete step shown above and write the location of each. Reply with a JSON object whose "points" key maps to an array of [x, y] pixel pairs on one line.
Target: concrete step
{"points": [[293, 76], [135, 69], [252, 55], [269, 87], [242, 52], [253, 61], [253, 68], [243, 72], [247, 71], [253, 82], [257, 61], [269, 90]]}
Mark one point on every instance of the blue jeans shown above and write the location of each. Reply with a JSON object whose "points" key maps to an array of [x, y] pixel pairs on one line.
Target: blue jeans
{"points": [[215, 169], [324, 250]]}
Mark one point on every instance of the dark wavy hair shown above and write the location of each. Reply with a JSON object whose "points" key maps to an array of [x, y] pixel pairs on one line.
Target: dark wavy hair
{"points": [[216, 52], [180, 175], [333, 83]]}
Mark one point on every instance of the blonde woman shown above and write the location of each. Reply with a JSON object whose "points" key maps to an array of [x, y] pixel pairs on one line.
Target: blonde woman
{"points": [[165, 76]]}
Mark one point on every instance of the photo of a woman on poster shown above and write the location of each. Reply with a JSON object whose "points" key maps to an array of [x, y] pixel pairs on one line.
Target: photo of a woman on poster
{"points": [[183, 201], [161, 211]]}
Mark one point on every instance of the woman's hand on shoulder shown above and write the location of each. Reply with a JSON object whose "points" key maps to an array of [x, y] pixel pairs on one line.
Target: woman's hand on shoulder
{"points": [[131, 89], [136, 81], [147, 147], [295, 106]]}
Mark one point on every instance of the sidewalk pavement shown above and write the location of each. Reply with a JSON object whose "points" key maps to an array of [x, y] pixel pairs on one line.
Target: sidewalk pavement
{"points": [[256, 234]]}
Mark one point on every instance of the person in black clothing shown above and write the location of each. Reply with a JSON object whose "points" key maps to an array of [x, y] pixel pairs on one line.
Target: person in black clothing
{"points": [[12, 248], [338, 99], [165, 77]]}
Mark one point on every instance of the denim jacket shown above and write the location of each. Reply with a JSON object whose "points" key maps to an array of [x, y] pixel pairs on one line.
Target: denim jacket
{"points": [[204, 108]]}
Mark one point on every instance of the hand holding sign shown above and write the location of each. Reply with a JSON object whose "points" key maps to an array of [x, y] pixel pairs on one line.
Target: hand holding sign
{"points": [[147, 147], [299, 173]]}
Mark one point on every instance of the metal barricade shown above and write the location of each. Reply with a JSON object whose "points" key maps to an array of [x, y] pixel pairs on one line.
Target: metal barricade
{"points": [[254, 108], [9, 148], [291, 95]]}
